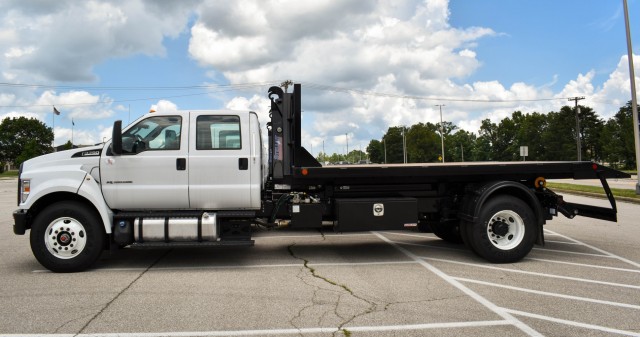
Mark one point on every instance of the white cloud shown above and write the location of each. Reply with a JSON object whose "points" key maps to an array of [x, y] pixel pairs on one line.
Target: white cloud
{"points": [[44, 41], [164, 106], [400, 47]]}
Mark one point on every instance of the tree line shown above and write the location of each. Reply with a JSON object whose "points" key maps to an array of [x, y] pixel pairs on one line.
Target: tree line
{"points": [[549, 137], [22, 139]]}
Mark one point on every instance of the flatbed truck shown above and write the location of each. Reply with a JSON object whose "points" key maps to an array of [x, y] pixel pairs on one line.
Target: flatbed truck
{"points": [[203, 178]]}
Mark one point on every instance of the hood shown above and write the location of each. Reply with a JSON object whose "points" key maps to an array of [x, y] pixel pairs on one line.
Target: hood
{"points": [[82, 156]]}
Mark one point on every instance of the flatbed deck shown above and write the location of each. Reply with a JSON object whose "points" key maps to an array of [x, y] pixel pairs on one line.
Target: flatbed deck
{"points": [[452, 172]]}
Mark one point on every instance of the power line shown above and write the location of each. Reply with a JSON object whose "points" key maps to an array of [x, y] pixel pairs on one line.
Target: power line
{"points": [[221, 88], [188, 87], [423, 98], [240, 86]]}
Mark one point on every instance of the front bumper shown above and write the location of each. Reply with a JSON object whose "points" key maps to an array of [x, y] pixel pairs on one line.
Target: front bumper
{"points": [[20, 225]]}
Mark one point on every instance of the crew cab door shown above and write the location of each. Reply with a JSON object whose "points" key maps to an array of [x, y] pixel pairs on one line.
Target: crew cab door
{"points": [[220, 161], [151, 172]]}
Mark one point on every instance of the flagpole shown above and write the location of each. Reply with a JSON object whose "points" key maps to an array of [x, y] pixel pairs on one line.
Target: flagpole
{"points": [[53, 127], [55, 112], [72, 125]]}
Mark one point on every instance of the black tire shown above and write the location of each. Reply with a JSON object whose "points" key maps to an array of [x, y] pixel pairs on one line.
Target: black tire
{"points": [[423, 227], [465, 230], [447, 231], [505, 230], [67, 237]]}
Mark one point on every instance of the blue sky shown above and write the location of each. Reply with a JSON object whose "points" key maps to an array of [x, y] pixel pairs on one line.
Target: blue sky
{"points": [[538, 40], [139, 54]]}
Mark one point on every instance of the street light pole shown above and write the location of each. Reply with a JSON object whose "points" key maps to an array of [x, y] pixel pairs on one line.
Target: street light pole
{"points": [[404, 145], [345, 156], [441, 130], [634, 100], [385, 150]]}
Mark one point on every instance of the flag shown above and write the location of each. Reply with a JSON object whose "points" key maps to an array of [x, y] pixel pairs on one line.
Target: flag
{"points": [[72, 123], [55, 111]]}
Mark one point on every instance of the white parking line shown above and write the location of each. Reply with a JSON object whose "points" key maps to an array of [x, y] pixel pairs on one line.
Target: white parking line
{"points": [[633, 263], [265, 332], [423, 236], [621, 285], [574, 253], [490, 305], [429, 246], [545, 293], [572, 323], [561, 242], [280, 265], [585, 265], [311, 235]]}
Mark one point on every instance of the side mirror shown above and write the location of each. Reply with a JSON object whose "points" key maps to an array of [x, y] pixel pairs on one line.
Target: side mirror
{"points": [[116, 138]]}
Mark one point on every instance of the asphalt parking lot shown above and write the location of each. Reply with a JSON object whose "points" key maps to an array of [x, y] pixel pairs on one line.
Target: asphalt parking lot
{"points": [[584, 282]]}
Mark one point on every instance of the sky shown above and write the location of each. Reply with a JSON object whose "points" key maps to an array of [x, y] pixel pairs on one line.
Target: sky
{"points": [[364, 66]]}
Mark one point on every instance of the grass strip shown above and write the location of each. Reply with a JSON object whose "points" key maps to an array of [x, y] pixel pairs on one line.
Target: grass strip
{"points": [[9, 174], [617, 192]]}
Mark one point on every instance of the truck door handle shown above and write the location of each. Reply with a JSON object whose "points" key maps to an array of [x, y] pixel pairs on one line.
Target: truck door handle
{"points": [[181, 164], [243, 164]]}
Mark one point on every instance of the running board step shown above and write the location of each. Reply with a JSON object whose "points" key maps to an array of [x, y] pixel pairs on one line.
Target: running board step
{"points": [[227, 243]]}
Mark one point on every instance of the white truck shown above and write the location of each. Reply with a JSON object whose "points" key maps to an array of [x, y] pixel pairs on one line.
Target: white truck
{"points": [[200, 178]]}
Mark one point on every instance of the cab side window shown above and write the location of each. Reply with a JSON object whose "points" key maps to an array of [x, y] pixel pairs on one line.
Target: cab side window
{"points": [[218, 133], [153, 134]]}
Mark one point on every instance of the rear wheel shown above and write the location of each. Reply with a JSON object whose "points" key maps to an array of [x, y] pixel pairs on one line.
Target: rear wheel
{"points": [[67, 237], [505, 230]]}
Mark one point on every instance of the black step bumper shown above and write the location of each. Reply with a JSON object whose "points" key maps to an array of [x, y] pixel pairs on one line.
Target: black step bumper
{"points": [[20, 225]]}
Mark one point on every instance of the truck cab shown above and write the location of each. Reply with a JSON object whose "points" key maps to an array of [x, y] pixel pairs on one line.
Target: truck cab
{"points": [[190, 160], [168, 178]]}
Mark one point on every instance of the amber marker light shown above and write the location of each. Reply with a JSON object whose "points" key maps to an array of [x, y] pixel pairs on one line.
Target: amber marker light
{"points": [[305, 172]]}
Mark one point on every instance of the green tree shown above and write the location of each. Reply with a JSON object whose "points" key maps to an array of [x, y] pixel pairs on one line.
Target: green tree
{"points": [[487, 136], [560, 135], [375, 149], [68, 145], [393, 143], [423, 143], [617, 139], [460, 146], [529, 130], [24, 138], [591, 127]]}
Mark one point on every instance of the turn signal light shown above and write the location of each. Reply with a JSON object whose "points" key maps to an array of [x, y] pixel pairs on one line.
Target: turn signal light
{"points": [[25, 190]]}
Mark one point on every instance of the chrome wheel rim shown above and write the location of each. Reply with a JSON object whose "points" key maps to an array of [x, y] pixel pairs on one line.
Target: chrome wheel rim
{"points": [[65, 238]]}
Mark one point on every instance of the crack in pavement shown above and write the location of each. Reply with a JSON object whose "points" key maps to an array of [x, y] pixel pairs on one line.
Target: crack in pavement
{"points": [[106, 306], [313, 272], [61, 326]]}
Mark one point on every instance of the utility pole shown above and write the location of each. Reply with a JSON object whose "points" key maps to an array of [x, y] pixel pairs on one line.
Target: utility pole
{"points": [[286, 84], [634, 99], [578, 143], [441, 130]]}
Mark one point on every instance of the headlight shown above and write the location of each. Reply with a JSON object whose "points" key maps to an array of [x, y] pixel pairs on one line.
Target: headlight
{"points": [[25, 189]]}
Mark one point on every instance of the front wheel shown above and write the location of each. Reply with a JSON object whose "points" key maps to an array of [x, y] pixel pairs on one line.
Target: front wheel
{"points": [[505, 230], [67, 237]]}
